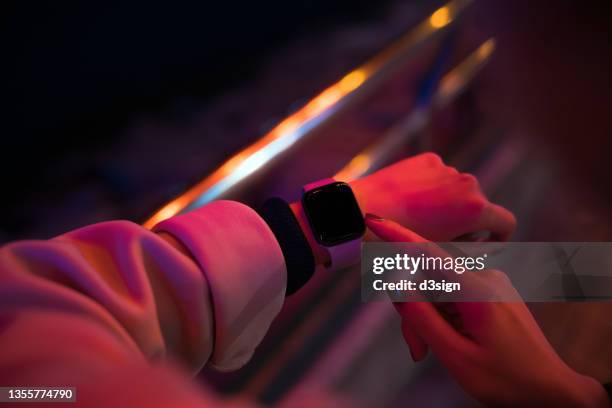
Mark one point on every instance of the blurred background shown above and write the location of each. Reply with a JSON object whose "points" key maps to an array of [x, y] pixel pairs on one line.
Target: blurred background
{"points": [[142, 110]]}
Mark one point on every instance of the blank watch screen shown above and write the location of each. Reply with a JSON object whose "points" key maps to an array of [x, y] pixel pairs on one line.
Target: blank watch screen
{"points": [[334, 214]]}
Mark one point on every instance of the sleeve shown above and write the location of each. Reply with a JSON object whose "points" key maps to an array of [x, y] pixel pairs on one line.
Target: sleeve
{"points": [[109, 300]]}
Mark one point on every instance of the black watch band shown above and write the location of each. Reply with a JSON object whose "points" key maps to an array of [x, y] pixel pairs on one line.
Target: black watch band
{"points": [[296, 250]]}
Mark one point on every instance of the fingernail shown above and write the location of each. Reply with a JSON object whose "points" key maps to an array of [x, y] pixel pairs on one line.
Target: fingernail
{"points": [[374, 217]]}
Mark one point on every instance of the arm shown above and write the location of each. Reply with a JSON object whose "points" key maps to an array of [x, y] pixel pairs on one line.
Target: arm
{"points": [[100, 303], [427, 196], [96, 305]]}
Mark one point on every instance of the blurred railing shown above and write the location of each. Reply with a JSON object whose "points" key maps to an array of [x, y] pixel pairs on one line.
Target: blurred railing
{"points": [[323, 108]]}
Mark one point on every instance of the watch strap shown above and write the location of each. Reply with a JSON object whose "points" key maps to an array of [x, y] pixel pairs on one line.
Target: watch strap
{"points": [[344, 255], [316, 184], [297, 253]]}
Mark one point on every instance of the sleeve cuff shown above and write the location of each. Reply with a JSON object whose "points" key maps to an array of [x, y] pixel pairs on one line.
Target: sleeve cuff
{"points": [[245, 270]]}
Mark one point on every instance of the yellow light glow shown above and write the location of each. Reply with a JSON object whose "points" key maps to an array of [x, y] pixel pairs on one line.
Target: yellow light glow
{"points": [[324, 100], [327, 99], [356, 168], [286, 126], [440, 17], [170, 210], [487, 48], [234, 161], [352, 80], [287, 132]]}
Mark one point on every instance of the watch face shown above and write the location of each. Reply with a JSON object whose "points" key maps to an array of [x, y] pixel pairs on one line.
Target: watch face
{"points": [[334, 214]]}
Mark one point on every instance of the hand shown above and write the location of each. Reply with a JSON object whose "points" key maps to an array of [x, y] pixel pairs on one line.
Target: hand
{"points": [[494, 350], [427, 196], [432, 199]]}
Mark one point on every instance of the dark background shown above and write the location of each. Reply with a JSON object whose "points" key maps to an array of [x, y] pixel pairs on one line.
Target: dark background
{"points": [[78, 73]]}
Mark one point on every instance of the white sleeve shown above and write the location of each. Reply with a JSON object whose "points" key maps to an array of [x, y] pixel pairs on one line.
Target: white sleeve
{"points": [[245, 270], [98, 305]]}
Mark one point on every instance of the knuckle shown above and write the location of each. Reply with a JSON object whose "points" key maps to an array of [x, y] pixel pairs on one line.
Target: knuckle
{"points": [[476, 205], [451, 170], [432, 158], [468, 178]]}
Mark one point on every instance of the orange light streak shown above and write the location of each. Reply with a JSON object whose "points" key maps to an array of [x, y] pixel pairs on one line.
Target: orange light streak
{"points": [[288, 131]]}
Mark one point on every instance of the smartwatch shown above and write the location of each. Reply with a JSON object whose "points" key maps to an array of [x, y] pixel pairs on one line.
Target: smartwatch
{"points": [[335, 219]]}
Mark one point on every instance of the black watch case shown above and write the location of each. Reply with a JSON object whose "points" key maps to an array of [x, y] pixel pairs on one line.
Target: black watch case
{"points": [[333, 214]]}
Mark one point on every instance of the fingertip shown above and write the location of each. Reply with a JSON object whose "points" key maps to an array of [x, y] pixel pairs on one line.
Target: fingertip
{"points": [[369, 217], [378, 225], [390, 231]]}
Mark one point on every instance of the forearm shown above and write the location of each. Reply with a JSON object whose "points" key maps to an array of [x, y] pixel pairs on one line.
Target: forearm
{"points": [[179, 291]]}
